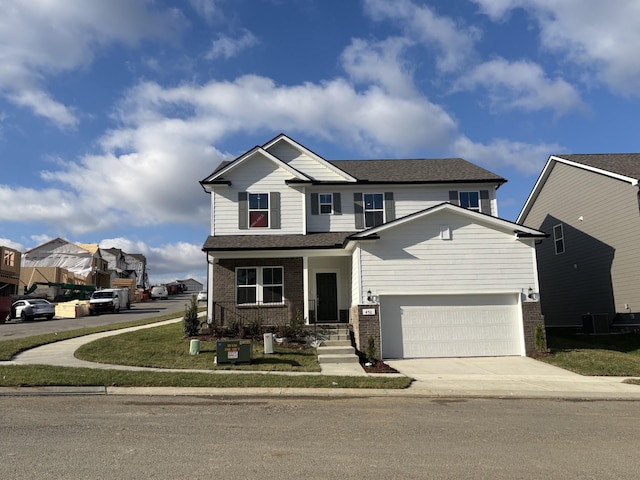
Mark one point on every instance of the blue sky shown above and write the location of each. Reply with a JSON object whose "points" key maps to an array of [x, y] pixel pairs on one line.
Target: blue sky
{"points": [[112, 111]]}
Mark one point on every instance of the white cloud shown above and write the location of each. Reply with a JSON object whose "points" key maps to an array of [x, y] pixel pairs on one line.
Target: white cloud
{"points": [[599, 36], [521, 85], [207, 9], [380, 63], [454, 43], [149, 169], [524, 157], [40, 38], [5, 242], [226, 47]]}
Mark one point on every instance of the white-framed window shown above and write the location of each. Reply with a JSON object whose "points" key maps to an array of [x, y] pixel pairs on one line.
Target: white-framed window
{"points": [[373, 209], [558, 238], [257, 285], [470, 200], [258, 210], [325, 203]]}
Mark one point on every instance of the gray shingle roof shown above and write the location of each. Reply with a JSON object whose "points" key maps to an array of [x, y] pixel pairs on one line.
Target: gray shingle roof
{"points": [[417, 170], [627, 164], [421, 170], [276, 242]]}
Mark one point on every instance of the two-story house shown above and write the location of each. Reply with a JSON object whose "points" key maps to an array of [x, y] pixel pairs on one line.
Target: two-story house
{"points": [[409, 252], [589, 268]]}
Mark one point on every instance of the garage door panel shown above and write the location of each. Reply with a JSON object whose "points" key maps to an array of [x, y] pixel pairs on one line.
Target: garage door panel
{"points": [[414, 327]]}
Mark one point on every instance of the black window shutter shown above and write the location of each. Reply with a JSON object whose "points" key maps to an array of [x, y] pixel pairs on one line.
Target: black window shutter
{"points": [[485, 203], [243, 211], [337, 204], [358, 210], [389, 207], [274, 210], [453, 197], [315, 209]]}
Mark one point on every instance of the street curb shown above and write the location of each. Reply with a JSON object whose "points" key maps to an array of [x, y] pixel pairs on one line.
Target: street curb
{"points": [[237, 393]]}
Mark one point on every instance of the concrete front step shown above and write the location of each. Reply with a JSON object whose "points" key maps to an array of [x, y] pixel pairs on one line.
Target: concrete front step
{"points": [[337, 358], [336, 350], [336, 343]]}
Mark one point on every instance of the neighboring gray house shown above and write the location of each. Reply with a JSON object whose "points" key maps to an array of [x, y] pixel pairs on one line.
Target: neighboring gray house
{"points": [[410, 252], [589, 269]]}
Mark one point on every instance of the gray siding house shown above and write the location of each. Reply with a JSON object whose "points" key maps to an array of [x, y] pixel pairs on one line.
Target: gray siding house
{"points": [[589, 269]]}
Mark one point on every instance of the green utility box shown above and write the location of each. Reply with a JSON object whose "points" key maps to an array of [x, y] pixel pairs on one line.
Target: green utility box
{"points": [[234, 351]]}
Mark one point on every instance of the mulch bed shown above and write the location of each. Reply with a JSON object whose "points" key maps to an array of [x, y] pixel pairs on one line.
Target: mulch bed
{"points": [[378, 367]]}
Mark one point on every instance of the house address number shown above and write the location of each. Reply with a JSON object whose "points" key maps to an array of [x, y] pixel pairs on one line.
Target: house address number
{"points": [[368, 311]]}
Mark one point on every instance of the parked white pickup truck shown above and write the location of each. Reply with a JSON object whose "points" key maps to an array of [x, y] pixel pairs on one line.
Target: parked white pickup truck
{"points": [[109, 300]]}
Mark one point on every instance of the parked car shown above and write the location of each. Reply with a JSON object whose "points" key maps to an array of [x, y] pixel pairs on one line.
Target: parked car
{"points": [[202, 296], [159, 291], [28, 309]]}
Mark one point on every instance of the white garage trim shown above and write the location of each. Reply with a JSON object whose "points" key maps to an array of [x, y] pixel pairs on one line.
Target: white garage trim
{"points": [[481, 325]]}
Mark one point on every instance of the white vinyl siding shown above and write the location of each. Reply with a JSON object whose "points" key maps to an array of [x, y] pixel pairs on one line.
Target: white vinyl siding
{"points": [[476, 259], [407, 199], [257, 176], [303, 162]]}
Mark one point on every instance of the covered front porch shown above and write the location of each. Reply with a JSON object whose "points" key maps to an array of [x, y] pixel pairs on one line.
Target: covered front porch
{"points": [[260, 281]]}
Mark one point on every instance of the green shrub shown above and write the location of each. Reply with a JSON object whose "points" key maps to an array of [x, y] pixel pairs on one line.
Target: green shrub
{"points": [[371, 349], [540, 340], [191, 322]]}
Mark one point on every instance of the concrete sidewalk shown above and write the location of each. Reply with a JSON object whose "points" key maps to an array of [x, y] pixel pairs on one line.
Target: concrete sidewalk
{"points": [[495, 377]]}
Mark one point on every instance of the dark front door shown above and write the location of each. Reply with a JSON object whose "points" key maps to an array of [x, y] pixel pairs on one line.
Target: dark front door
{"points": [[327, 288]]}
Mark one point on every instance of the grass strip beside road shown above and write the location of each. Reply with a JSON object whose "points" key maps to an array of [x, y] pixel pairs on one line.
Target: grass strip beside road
{"points": [[44, 375]]}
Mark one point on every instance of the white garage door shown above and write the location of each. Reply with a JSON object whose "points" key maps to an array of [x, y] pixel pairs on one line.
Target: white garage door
{"points": [[450, 326]]}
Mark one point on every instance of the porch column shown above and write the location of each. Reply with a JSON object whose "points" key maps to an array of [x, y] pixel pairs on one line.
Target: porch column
{"points": [[210, 264], [305, 286]]}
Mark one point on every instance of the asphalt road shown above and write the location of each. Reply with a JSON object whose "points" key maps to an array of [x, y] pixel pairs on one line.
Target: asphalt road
{"points": [[118, 437], [16, 328]]}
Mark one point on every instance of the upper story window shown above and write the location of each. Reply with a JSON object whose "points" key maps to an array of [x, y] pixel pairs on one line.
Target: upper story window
{"points": [[470, 200], [256, 285], [10, 259], [373, 209], [558, 238], [325, 203], [259, 210], [478, 201]]}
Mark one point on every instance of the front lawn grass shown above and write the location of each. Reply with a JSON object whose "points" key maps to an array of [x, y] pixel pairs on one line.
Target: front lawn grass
{"points": [[45, 375], [598, 355], [165, 347]]}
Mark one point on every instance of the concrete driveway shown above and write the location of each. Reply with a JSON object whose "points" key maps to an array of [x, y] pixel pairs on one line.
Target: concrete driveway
{"points": [[507, 377]]}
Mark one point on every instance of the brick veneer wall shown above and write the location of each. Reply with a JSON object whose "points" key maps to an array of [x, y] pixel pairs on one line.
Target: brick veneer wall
{"points": [[365, 326], [531, 318], [224, 289]]}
